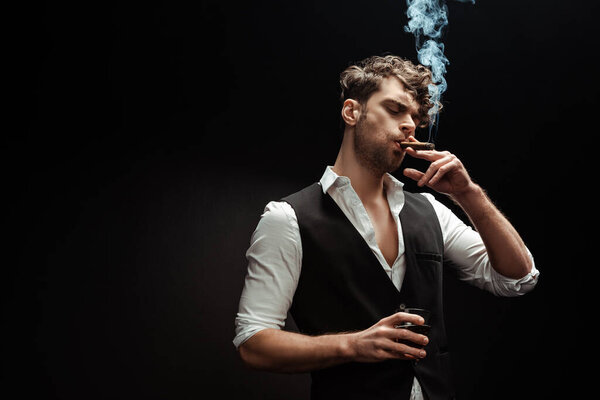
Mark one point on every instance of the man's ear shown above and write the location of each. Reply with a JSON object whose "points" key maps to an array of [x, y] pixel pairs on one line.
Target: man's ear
{"points": [[351, 110]]}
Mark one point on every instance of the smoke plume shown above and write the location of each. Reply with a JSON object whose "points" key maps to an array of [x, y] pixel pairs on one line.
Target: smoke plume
{"points": [[426, 21]]}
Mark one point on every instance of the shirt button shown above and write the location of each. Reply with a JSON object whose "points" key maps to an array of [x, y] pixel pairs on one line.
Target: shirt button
{"points": [[402, 307]]}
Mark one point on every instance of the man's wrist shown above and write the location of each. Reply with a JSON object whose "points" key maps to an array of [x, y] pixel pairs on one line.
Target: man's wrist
{"points": [[473, 193], [347, 348]]}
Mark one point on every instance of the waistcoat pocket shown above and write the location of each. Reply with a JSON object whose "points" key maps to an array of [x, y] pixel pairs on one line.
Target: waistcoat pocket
{"points": [[428, 256]]}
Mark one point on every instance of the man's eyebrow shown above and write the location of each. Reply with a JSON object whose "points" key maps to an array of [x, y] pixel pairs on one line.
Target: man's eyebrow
{"points": [[396, 102]]}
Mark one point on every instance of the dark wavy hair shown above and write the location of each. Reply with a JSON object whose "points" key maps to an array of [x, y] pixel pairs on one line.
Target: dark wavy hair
{"points": [[360, 80]]}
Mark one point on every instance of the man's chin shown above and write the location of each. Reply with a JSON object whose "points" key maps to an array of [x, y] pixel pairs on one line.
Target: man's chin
{"points": [[383, 162], [396, 163]]}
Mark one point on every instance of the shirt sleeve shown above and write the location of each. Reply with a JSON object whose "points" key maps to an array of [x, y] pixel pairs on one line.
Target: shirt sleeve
{"points": [[464, 247], [274, 262]]}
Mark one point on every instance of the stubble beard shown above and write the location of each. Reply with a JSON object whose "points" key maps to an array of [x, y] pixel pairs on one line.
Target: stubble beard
{"points": [[376, 156]]}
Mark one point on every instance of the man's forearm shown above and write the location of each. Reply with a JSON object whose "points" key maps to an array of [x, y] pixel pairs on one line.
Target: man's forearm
{"points": [[507, 252], [282, 351]]}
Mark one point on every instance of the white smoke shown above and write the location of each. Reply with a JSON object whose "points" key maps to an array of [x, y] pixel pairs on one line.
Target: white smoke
{"points": [[426, 21]]}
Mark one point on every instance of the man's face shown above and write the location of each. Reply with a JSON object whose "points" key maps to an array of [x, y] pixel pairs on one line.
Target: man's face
{"points": [[388, 117]]}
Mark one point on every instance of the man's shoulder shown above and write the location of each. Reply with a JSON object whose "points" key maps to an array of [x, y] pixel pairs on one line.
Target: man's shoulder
{"points": [[422, 204], [418, 197], [282, 210], [276, 214], [307, 193]]}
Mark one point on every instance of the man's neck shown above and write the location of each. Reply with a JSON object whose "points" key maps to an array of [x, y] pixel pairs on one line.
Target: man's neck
{"points": [[367, 183]]}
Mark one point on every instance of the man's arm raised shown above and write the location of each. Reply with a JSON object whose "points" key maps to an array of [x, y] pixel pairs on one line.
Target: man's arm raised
{"points": [[446, 174]]}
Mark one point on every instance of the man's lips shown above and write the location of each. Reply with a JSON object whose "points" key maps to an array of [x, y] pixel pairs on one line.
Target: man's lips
{"points": [[397, 144]]}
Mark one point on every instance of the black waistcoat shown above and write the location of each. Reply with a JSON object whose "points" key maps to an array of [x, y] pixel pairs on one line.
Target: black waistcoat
{"points": [[342, 287]]}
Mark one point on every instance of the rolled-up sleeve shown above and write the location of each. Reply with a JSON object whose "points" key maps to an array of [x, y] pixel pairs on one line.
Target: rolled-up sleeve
{"points": [[274, 262], [465, 249]]}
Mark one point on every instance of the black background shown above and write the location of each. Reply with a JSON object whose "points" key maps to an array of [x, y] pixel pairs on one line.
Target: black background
{"points": [[149, 137]]}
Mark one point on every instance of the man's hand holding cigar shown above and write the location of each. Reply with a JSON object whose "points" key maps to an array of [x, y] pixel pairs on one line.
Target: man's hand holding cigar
{"points": [[446, 174]]}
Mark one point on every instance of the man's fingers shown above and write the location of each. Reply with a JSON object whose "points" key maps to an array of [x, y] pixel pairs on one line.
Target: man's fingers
{"points": [[413, 173], [438, 160], [408, 351], [443, 170], [400, 342], [403, 349], [429, 155], [433, 169], [423, 178], [411, 338], [400, 317]]}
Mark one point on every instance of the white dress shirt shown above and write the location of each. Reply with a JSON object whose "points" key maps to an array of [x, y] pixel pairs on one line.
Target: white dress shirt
{"points": [[275, 256]]}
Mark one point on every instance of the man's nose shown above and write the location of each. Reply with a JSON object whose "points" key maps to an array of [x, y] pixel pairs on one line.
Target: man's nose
{"points": [[407, 126]]}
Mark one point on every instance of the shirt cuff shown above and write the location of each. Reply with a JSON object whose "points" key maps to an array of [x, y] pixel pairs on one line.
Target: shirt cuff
{"points": [[510, 287], [246, 334]]}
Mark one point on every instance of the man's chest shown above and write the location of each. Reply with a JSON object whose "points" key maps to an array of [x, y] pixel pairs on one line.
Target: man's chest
{"points": [[386, 231]]}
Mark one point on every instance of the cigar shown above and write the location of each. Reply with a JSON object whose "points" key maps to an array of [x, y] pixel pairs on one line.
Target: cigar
{"points": [[418, 145]]}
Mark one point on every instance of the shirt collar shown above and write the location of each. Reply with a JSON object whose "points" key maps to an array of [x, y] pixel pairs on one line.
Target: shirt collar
{"points": [[330, 179], [393, 187], [395, 193]]}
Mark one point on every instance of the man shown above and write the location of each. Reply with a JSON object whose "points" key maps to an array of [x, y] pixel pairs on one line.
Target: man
{"points": [[347, 254]]}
